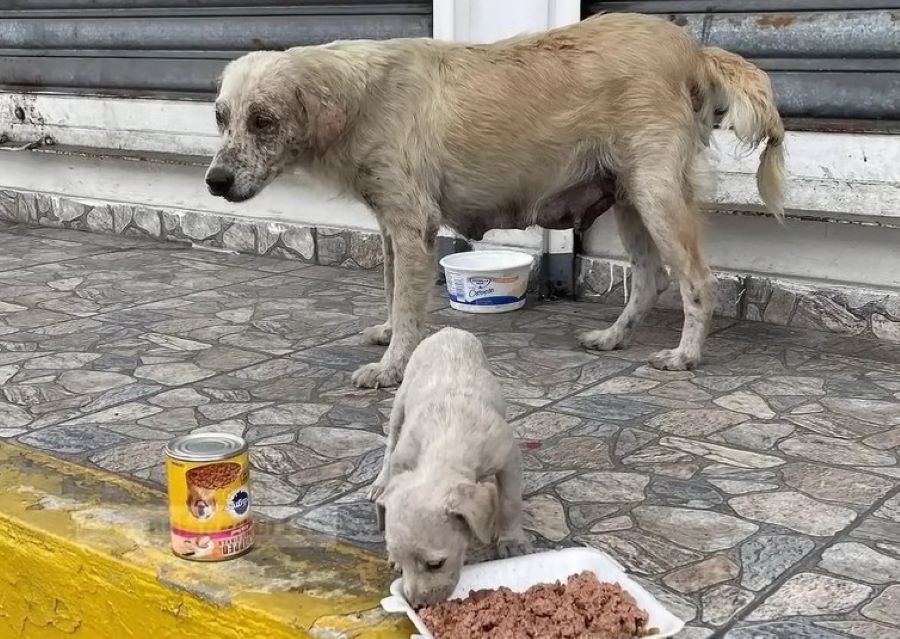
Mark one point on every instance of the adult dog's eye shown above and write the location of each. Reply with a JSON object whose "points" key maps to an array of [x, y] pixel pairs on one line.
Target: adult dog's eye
{"points": [[435, 565], [262, 122]]}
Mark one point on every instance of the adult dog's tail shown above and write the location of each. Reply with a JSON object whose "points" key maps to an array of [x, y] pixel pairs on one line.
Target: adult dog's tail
{"points": [[740, 97]]}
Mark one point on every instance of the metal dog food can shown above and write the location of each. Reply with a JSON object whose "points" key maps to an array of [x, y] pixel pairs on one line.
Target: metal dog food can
{"points": [[209, 496]]}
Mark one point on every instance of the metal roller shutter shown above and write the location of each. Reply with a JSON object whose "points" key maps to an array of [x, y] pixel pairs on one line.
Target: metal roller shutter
{"points": [[833, 63], [175, 47]]}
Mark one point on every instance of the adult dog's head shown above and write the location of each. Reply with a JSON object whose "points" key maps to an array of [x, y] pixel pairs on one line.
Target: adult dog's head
{"points": [[276, 109]]}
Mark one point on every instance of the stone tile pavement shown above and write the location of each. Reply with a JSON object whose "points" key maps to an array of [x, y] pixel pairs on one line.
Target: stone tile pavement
{"points": [[758, 497]]}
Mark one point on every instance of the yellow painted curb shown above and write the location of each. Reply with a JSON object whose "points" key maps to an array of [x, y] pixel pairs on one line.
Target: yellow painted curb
{"points": [[85, 555]]}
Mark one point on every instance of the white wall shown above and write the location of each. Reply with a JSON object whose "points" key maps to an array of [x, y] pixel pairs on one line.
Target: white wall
{"points": [[842, 175], [164, 131], [851, 180], [479, 21], [801, 249], [176, 185]]}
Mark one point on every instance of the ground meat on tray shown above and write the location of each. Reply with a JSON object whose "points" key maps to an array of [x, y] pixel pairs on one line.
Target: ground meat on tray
{"points": [[583, 608]]}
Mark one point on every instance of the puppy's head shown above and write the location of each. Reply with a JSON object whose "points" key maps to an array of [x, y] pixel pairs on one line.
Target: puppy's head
{"points": [[275, 109], [201, 502], [428, 529]]}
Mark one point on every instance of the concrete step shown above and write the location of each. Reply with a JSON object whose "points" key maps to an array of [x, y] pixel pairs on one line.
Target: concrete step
{"points": [[86, 554]]}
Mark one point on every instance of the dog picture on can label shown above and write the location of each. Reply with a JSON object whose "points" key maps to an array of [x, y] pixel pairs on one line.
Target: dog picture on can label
{"points": [[201, 502], [203, 482]]}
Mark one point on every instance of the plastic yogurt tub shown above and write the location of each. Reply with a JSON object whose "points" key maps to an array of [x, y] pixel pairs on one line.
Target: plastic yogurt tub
{"points": [[520, 573], [487, 281]]}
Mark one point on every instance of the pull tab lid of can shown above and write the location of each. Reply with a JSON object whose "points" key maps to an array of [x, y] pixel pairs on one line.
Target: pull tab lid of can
{"points": [[206, 447]]}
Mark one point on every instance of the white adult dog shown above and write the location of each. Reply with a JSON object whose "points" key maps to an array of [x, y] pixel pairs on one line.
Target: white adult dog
{"points": [[548, 129]]}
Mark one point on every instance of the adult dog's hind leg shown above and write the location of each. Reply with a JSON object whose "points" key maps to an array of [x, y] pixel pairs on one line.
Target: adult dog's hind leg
{"points": [[667, 208], [649, 279], [381, 333]]}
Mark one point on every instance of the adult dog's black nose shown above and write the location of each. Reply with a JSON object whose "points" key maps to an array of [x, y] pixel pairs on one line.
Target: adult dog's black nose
{"points": [[219, 180]]}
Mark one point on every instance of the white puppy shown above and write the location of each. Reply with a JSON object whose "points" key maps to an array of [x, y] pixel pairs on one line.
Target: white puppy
{"points": [[452, 470]]}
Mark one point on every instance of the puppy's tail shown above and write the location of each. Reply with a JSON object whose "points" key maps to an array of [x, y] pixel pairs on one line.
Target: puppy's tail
{"points": [[740, 97]]}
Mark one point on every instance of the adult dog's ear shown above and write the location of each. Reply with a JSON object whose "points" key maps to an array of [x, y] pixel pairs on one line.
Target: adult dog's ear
{"points": [[476, 504], [324, 118]]}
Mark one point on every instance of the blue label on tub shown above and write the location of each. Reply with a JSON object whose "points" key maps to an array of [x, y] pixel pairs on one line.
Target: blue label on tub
{"points": [[487, 301]]}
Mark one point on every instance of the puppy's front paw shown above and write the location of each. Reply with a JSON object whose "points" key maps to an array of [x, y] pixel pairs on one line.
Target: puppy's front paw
{"points": [[513, 546], [379, 335], [673, 360], [376, 490], [605, 340], [377, 375]]}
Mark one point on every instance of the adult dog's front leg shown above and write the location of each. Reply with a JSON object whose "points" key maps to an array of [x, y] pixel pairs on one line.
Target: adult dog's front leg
{"points": [[381, 334], [413, 279], [648, 281]]}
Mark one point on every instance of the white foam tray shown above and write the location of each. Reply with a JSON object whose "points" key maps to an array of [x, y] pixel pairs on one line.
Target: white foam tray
{"points": [[520, 573]]}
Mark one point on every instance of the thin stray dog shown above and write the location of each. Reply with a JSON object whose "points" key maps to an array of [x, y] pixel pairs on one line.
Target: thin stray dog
{"points": [[549, 129], [452, 470]]}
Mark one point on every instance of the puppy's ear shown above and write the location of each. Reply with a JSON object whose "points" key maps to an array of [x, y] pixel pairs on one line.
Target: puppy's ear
{"points": [[324, 118], [477, 505]]}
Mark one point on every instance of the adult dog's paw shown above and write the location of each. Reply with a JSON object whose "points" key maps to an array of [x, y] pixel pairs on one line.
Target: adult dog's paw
{"points": [[379, 335], [377, 375], [605, 340], [673, 360]]}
